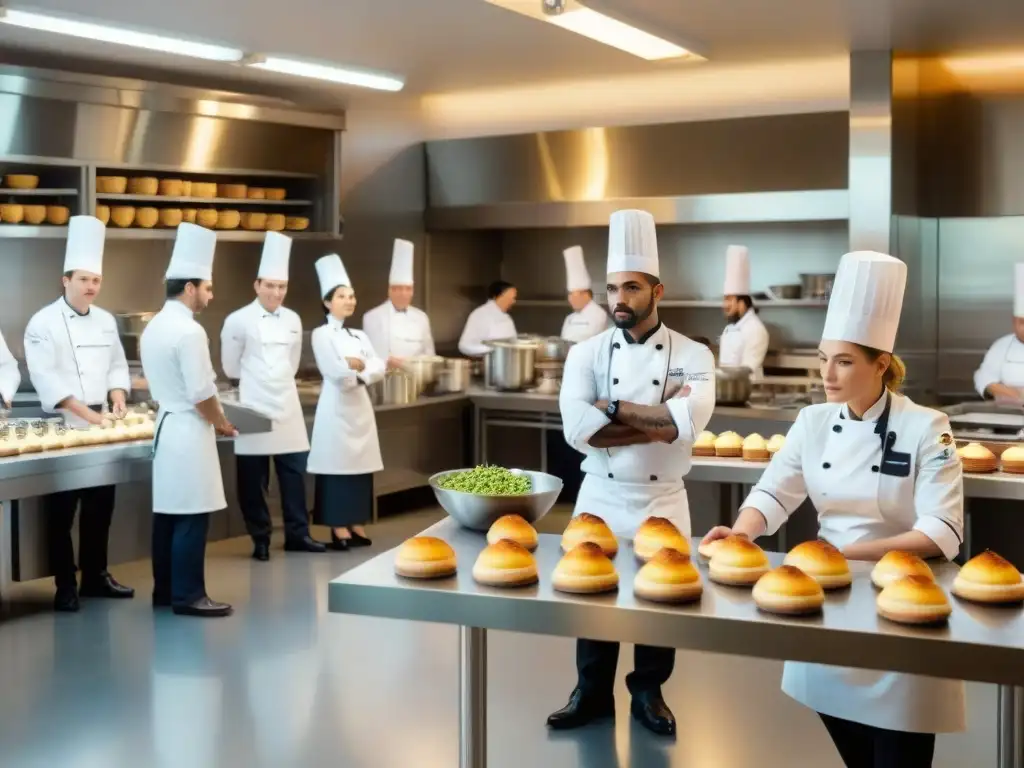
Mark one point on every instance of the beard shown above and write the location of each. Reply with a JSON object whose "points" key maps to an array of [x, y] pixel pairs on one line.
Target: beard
{"points": [[733, 317], [632, 319]]}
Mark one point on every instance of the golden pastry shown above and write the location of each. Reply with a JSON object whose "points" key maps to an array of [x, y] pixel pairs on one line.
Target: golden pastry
{"points": [[585, 570], [704, 445], [913, 600], [788, 590], [1013, 459], [425, 557], [729, 444], [656, 533], [737, 561], [989, 578], [505, 564], [975, 457], [587, 527], [514, 528], [822, 562], [668, 577], [896, 565], [755, 448], [775, 444]]}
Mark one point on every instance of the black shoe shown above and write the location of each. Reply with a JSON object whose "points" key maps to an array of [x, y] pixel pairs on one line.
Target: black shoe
{"points": [[581, 710], [651, 711], [105, 585], [160, 601], [66, 600], [261, 551], [357, 540], [307, 544], [204, 606], [339, 544]]}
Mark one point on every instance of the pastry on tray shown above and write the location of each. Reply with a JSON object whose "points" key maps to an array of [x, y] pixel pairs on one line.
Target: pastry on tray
{"points": [[656, 533], [896, 565], [755, 448], [788, 590], [775, 444], [668, 577], [505, 564], [975, 457], [585, 570], [738, 561], [913, 600], [822, 562], [514, 528], [425, 557], [989, 578], [707, 550], [729, 444], [704, 445], [587, 527], [1012, 460]]}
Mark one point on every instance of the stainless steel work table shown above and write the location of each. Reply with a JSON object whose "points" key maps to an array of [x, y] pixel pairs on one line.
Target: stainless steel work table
{"points": [[980, 644]]}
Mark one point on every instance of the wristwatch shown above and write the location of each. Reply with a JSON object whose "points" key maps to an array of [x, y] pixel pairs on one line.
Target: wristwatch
{"points": [[612, 411]]}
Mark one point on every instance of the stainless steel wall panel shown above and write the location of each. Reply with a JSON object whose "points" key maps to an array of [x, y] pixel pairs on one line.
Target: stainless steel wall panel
{"points": [[870, 127]]}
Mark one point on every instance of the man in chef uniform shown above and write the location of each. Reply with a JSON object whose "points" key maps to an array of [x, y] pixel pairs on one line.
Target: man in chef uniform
{"points": [[744, 341], [261, 345], [633, 400], [78, 368], [490, 321], [588, 318], [397, 329], [187, 483], [1001, 375], [10, 376]]}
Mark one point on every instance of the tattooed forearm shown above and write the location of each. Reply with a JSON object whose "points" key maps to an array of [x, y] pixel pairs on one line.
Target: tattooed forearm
{"points": [[618, 435], [653, 420]]}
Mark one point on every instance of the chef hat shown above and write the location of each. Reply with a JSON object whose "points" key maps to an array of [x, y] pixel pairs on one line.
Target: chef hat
{"points": [[1018, 292], [401, 263], [192, 258], [737, 271], [867, 297], [274, 263], [332, 273], [84, 249], [577, 278], [632, 243]]}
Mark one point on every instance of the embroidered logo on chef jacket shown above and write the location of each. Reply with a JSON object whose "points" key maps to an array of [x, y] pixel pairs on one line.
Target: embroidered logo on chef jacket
{"points": [[946, 439]]}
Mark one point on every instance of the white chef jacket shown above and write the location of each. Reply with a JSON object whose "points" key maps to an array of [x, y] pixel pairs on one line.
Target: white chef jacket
{"points": [[744, 344], [10, 376], [837, 462], [398, 334], [262, 350], [1003, 364], [73, 355], [628, 484], [485, 323], [175, 353], [589, 321]]}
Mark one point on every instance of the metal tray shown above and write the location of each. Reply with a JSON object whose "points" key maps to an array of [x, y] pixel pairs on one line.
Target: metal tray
{"points": [[248, 421]]}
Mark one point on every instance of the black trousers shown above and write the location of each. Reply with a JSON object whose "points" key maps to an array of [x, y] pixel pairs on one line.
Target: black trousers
{"points": [[865, 746], [253, 479], [179, 557], [564, 462], [596, 661], [97, 506]]}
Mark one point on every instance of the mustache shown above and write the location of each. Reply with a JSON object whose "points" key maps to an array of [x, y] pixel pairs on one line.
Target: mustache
{"points": [[623, 309]]}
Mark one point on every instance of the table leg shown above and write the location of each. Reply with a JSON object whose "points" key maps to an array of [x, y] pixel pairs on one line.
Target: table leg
{"points": [[472, 697]]}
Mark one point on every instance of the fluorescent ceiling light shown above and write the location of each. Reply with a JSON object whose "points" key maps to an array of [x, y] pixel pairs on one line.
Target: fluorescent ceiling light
{"points": [[605, 29], [118, 36], [330, 74]]}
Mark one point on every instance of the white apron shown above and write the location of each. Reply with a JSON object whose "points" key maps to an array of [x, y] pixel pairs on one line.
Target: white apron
{"points": [[274, 393], [730, 347], [882, 699], [406, 334], [345, 429], [624, 506], [1011, 373], [186, 466]]}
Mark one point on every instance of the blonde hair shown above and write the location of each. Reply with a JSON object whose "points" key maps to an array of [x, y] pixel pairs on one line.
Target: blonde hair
{"points": [[895, 374]]}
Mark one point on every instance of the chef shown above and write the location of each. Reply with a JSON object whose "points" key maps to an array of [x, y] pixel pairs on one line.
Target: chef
{"points": [[187, 483], [588, 317], [78, 368], [490, 321], [397, 329], [1001, 375], [883, 474], [744, 341], [10, 376], [261, 345], [633, 400]]}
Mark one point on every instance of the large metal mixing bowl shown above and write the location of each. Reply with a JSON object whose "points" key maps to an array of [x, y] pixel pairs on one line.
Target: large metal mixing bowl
{"points": [[478, 513]]}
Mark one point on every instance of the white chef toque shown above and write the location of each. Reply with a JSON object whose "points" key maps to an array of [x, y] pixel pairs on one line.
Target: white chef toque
{"points": [[632, 243], [577, 278], [1018, 290], [401, 263], [84, 249], [867, 297], [331, 273], [274, 262], [737, 271], [192, 258]]}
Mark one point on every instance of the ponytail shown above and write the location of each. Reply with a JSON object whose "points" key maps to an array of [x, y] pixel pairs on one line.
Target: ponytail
{"points": [[895, 374]]}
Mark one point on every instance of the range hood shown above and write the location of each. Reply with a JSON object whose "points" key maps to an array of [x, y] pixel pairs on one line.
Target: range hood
{"points": [[764, 169]]}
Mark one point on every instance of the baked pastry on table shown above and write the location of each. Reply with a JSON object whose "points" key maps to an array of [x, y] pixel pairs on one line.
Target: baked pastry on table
{"points": [[913, 600], [729, 445], [1012, 460], [425, 557], [975, 457], [585, 570], [897, 565], [775, 444], [822, 562], [789, 591], [656, 533], [989, 578], [505, 564], [668, 577], [704, 445], [514, 528], [755, 448], [737, 561], [587, 527]]}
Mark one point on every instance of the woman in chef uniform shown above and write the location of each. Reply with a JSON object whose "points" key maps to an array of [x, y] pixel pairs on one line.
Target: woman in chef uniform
{"points": [[588, 317], [1001, 375], [10, 376], [345, 451], [490, 321], [883, 474], [744, 341]]}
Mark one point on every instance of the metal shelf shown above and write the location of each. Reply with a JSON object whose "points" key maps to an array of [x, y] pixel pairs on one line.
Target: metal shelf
{"points": [[177, 172], [32, 231], [198, 201], [223, 235], [38, 192], [693, 303]]}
